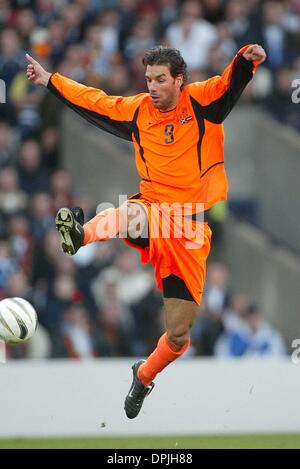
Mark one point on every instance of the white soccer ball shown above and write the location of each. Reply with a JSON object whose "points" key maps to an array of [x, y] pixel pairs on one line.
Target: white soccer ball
{"points": [[18, 320]]}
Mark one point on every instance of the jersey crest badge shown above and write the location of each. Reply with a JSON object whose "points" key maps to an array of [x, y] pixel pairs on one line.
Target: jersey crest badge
{"points": [[186, 119]]}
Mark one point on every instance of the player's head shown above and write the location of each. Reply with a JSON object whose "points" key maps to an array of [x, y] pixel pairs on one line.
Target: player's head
{"points": [[166, 74]]}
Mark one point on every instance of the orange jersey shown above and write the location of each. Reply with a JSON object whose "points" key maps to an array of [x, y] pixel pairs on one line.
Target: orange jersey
{"points": [[179, 154]]}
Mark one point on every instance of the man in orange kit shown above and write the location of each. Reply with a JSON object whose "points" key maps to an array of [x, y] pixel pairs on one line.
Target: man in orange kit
{"points": [[178, 138]]}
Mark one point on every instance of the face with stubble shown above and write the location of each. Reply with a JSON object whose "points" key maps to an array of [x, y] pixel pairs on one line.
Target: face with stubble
{"points": [[163, 88]]}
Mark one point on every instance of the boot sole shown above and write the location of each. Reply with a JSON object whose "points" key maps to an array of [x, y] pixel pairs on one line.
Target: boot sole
{"points": [[64, 222]]}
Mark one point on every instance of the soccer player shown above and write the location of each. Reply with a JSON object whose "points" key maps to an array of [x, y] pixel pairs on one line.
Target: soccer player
{"points": [[177, 132]]}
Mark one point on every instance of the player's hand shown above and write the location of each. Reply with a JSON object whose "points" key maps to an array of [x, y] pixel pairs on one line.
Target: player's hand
{"points": [[36, 73], [255, 53]]}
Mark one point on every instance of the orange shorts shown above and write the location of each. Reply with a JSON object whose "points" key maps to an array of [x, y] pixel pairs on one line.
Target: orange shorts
{"points": [[177, 245]]}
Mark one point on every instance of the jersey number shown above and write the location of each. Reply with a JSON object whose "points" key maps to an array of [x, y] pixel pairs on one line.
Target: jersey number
{"points": [[169, 133]]}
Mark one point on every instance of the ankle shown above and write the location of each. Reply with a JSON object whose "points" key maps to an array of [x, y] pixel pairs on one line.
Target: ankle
{"points": [[145, 381]]}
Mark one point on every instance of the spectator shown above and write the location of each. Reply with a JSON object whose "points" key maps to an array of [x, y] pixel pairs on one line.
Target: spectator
{"points": [[57, 40], [253, 336], [275, 38], [141, 38], [214, 11], [118, 81], [61, 190], [50, 148], [238, 22], [234, 323], [279, 102], [168, 14], [115, 318], [33, 176], [41, 214], [127, 19], [7, 151], [192, 35], [77, 333], [59, 298], [216, 297], [217, 293], [46, 251], [8, 267], [25, 23], [73, 17], [46, 11], [12, 199], [108, 39], [12, 55], [19, 286], [21, 241]]}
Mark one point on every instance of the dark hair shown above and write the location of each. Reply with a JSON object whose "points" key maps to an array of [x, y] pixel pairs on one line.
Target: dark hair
{"points": [[161, 55]]}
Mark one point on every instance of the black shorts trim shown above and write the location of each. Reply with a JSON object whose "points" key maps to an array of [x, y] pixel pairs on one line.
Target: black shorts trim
{"points": [[174, 287], [140, 241]]}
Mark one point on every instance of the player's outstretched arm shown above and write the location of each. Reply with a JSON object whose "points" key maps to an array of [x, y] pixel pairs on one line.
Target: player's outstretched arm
{"points": [[36, 73], [218, 95], [115, 114]]}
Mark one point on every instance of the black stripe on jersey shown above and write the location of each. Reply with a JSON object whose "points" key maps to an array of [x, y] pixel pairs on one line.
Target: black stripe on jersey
{"points": [[122, 129], [212, 166], [136, 133], [219, 109], [201, 127]]}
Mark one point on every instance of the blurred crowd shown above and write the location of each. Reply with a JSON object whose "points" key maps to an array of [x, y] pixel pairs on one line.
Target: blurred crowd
{"points": [[101, 43], [229, 324], [101, 302]]}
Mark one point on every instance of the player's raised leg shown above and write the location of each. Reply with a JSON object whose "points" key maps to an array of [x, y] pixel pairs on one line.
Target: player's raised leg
{"points": [[180, 315], [121, 221]]}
